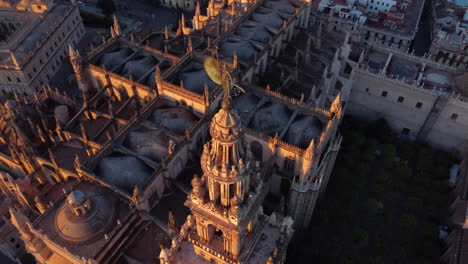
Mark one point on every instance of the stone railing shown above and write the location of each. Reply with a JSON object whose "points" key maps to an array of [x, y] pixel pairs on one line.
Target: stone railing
{"points": [[427, 59], [271, 140], [410, 35], [365, 70], [184, 93], [291, 148], [219, 253]]}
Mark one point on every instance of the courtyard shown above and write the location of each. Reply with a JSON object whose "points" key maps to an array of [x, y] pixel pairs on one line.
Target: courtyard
{"points": [[387, 202]]}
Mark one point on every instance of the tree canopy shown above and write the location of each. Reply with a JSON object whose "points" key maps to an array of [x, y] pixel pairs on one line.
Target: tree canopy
{"points": [[384, 204]]}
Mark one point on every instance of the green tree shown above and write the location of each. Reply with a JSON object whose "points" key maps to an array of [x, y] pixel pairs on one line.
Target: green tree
{"points": [[107, 6]]}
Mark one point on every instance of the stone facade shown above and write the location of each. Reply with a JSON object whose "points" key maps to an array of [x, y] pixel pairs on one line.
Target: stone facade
{"points": [[457, 239], [389, 23], [141, 124], [422, 103], [36, 44], [449, 42]]}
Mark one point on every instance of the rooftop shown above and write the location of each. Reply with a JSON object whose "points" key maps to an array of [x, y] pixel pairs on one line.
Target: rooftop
{"points": [[145, 145], [27, 30], [84, 235], [269, 116], [402, 18], [411, 71], [132, 61]]}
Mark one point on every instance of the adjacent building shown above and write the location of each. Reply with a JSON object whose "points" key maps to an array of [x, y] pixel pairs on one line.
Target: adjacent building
{"points": [[34, 42], [387, 22], [420, 98], [457, 239], [109, 177], [449, 43]]}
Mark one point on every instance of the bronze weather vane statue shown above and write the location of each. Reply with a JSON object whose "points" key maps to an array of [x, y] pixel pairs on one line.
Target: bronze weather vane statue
{"points": [[219, 73]]}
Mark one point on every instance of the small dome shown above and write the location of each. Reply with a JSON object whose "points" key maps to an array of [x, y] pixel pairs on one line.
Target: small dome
{"points": [[76, 198], [227, 119], [84, 227], [226, 125]]}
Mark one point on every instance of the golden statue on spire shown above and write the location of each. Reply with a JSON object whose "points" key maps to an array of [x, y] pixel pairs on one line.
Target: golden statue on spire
{"points": [[219, 73]]}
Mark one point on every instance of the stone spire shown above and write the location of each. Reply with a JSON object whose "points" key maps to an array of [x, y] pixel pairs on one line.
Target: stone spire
{"points": [[196, 18], [76, 62], [228, 159], [228, 195], [115, 28], [166, 33], [189, 45], [210, 9], [235, 60], [14, 60], [336, 105], [206, 96]]}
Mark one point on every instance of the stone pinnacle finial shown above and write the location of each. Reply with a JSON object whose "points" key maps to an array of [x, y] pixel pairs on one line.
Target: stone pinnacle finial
{"points": [[166, 33], [14, 60], [116, 26], [309, 153], [71, 51], [336, 105], [190, 45], [226, 104], [197, 10]]}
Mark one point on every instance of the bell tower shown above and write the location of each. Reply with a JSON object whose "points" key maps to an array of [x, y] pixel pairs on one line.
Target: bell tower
{"points": [[226, 200]]}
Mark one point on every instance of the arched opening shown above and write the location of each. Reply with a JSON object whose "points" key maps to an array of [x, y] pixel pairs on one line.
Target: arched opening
{"points": [[440, 55], [257, 150], [288, 165], [232, 191], [214, 233], [218, 233]]}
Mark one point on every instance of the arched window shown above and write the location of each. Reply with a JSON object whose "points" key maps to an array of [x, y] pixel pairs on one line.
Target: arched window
{"points": [[218, 233], [288, 164]]}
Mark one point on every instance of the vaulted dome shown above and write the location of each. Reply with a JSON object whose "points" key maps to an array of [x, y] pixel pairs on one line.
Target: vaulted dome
{"points": [[85, 216], [226, 124]]}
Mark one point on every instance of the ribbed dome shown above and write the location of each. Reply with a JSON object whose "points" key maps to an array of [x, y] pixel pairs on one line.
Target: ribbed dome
{"points": [[226, 125], [227, 119], [76, 198], [98, 219]]}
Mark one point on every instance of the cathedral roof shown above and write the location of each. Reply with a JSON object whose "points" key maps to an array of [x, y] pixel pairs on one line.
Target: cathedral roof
{"points": [[87, 226], [83, 235]]}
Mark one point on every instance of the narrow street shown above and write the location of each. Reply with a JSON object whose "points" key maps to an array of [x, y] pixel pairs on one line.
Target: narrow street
{"points": [[422, 40]]}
